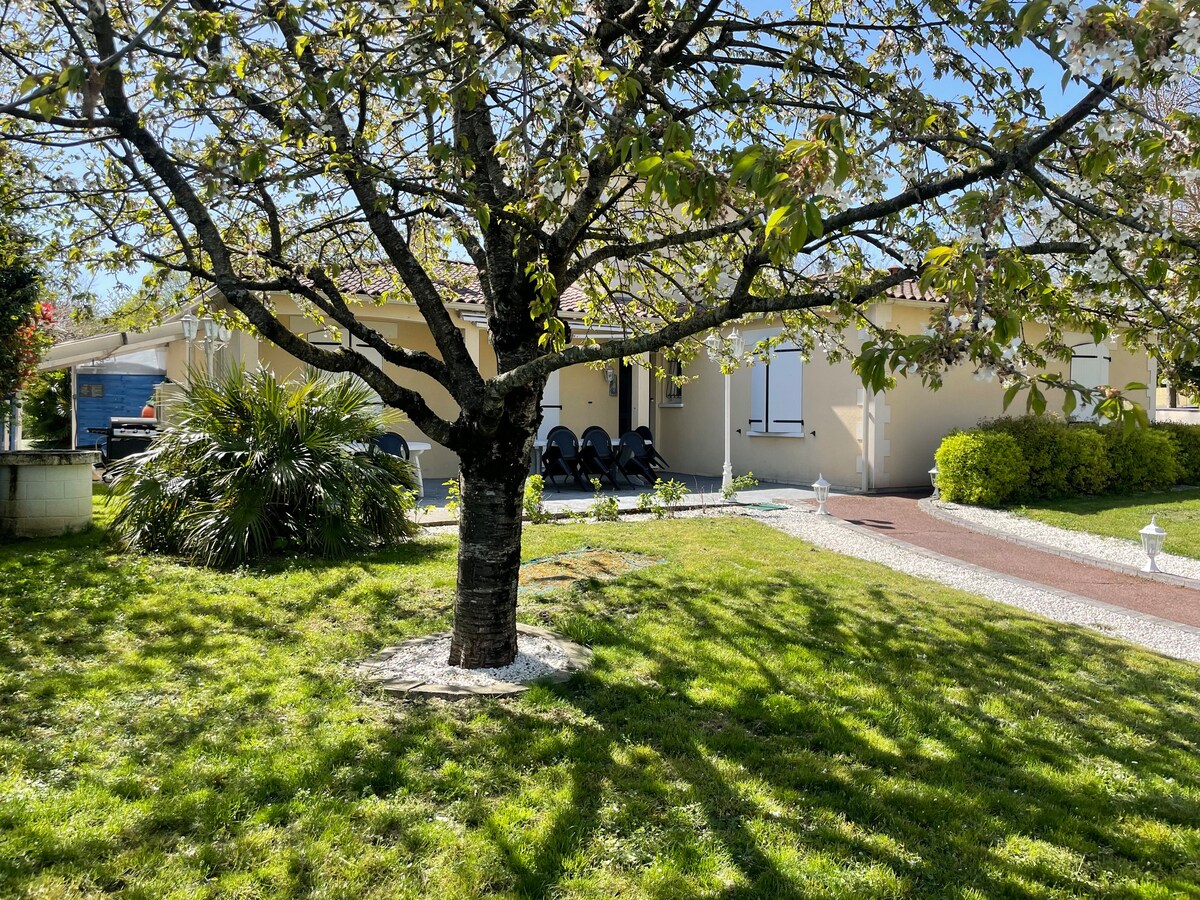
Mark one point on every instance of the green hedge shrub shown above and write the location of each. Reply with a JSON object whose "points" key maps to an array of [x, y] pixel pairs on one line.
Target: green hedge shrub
{"points": [[1064, 460], [1090, 472], [1187, 443], [1142, 459], [983, 468]]}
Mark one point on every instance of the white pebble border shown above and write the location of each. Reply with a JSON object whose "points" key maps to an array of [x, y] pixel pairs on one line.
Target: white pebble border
{"points": [[426, 662], [1180, 641], [1105, 549]]}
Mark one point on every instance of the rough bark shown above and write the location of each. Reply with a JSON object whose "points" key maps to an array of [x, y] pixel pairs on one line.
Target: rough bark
{"points": [[492, 481]]}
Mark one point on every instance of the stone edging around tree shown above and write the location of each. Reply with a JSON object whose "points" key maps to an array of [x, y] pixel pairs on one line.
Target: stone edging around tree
{"points": [[578, 657]]}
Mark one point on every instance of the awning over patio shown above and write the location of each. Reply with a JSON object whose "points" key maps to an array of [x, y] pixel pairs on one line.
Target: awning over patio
{"points": [[101, 346]]}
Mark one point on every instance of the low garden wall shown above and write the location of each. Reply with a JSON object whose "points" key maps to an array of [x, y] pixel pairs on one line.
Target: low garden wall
{"points": [[45, 492]]}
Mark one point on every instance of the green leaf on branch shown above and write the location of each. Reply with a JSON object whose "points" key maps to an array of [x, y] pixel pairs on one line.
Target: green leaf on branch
{"points": [[775, 218], [1011, 394]]}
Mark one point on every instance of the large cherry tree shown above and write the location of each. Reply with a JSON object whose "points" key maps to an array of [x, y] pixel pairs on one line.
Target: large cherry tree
{"points": [[685, 163]]}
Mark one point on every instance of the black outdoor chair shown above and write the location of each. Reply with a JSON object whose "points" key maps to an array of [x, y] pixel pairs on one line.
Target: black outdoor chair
{"points": [[656, 457], [561, 457], [392, 444], [596, 454], [635, 459]]}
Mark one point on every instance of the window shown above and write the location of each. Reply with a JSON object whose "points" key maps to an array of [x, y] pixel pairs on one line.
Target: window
{"points": [[1089, 368], [91, 390], [776, 391], [673, 390]]}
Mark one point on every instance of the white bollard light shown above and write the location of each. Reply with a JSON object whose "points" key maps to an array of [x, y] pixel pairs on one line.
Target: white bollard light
{"points": [[1152, 542], [821, 489]]}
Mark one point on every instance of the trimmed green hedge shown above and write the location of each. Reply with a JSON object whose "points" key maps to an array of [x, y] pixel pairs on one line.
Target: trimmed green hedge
{"points": [[1031, 458], [1187, 442], [985, 468]]}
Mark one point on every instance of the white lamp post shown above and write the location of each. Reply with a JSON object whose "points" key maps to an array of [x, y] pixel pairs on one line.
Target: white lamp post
{"points": [[933, 475], [1152, 542], [718, 349], [821, 489]]}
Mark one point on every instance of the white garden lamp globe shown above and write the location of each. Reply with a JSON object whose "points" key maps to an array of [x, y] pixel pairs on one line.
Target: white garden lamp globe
{"points": [[821, 490], [1152, 542], [736, 344], [190, 326], [933, 476]]}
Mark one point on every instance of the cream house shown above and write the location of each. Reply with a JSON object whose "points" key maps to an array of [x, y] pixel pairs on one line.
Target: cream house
{"points": [[616, 397], [792, 418]]}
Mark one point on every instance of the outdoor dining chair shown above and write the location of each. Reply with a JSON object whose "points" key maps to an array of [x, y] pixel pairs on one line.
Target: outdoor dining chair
{"points": [[596, 454], [391, 443], [635, 459], [562, 458], [656, 458]]}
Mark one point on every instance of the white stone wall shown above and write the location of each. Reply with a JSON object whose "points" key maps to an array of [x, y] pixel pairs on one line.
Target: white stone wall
{"points": [[45, 494]]}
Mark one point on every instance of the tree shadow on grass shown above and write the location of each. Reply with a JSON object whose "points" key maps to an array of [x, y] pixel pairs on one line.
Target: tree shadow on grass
{"points": [[997, 752], [772, 734]]}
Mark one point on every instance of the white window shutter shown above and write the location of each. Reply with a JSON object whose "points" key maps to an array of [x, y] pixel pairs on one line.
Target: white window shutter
{"points": [[365, 349], [1089, 367], [758, 397], [785, 412]]}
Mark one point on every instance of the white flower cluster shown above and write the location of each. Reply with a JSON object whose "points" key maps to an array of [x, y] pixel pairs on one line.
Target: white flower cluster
{"points": [[1116, 55]]}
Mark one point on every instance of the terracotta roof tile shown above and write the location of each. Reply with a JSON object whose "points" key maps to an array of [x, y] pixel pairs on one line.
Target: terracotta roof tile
{"points": [[459, 284], [457, 280]]}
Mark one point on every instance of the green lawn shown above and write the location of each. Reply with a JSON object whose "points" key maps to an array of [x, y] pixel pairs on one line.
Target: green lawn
{"points": [[763, 720], [1178, 512]]}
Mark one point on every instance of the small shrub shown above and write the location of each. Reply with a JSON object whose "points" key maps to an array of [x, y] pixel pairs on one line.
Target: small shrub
{"points": [[1142, 459], [739, 483], [984, 468], [1187, 445], [670, 494], [249, 467], [453, 496], [1089, 471], [1064, 460], [533, 505], [46, 410], [603, 509]]}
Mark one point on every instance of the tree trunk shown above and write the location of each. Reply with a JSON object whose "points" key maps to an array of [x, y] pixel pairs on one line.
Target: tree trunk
{"points": [[492, 482]]}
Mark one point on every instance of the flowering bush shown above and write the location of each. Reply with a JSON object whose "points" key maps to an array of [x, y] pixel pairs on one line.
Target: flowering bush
{"points": [[25, 322]]}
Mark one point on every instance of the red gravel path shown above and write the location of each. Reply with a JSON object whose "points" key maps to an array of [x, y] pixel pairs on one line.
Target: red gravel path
{"points": [[901, 518]]}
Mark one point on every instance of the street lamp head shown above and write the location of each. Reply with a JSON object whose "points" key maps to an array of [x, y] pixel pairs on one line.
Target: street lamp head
{"points": [[737, 344], [208, 327], [224, 334], [189, 323], [821, 492], [712, 344]]}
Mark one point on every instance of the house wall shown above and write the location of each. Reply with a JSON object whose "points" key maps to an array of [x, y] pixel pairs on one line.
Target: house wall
{"points": [[918, 419], [903, 430], [123, 395], [691, 436], [583, 393]]}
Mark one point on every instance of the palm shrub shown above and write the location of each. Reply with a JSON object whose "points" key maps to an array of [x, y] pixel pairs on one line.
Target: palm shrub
{"points": [[249, 466]]}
